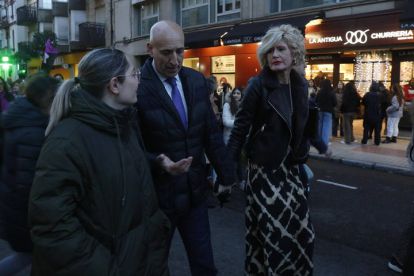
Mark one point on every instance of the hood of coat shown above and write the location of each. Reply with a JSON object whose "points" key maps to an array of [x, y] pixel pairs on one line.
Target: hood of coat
{"points": [[95, 113], [22, 113]]}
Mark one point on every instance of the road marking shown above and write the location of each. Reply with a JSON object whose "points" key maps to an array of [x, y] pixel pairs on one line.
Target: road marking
{"points": [[337, 184]]}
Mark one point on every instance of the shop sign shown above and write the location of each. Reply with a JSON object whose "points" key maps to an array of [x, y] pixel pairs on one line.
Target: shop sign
{"points": [[406, 53], [242, 40], [407, 26], [358, 32], [223, 64], [362, 37]]}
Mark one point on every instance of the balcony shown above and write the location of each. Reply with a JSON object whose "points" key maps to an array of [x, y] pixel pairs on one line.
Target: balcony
{"points": [[92, 34], [26, 15], [60, 9], [26, 47], [4, 22], [44, 15], [78, 5]]}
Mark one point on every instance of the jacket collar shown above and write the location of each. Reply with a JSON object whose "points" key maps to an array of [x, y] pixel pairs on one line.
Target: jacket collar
{"points": [[281, 105], [158, 90]]}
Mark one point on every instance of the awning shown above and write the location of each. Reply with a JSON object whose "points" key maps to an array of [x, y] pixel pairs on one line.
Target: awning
{"points": [[407, 17], [204, 39], [254, 32]]}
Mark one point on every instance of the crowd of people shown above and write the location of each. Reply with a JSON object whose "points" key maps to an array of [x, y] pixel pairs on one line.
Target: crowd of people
{"points": [[338, 108], [98, 171]]}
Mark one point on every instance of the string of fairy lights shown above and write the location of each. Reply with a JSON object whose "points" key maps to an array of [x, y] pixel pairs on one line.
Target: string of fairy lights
{"points": [[372, 66]]}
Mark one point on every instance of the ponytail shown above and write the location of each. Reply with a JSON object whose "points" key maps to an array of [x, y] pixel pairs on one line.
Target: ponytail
{"points": [[61, 105]]}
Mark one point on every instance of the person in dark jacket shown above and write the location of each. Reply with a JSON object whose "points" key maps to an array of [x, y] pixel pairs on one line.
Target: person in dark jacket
{"points": [[372, 114], [23, 126], [5, 96], [93, 209], [274, 112], [350, 104], [326, 101], [178, 126]]}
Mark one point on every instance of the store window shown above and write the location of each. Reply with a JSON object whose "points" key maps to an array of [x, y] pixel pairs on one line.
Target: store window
{"points": [[346, 72], [228, 10], [149, 16], [407, 72], [284, 5], [326, 69], [372, 66], [192, 63], [194, 12]]}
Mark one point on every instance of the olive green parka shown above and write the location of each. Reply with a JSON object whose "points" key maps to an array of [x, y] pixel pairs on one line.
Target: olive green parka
{"points": [[93, 208]]}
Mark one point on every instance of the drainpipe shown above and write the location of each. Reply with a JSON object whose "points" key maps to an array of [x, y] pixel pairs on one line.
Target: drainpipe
{"points": [[112, 25]]}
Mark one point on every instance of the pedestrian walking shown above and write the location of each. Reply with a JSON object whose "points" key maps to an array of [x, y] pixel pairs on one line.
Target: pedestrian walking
{"points": [[5, 96], [385, 99], [326, 101], [394, 113], [372, 114], [178, 126], [337, 119], [350, 104], [23, 127], [93, 208], [229, 114], [277, 214]]}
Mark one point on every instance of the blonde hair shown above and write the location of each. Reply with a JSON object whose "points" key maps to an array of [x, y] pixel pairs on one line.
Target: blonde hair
{"points": [[290, 35], [96, 69]]}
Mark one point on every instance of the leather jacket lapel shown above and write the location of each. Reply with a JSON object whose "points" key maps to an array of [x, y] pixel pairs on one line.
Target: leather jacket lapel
{"points": [[279, 103]]}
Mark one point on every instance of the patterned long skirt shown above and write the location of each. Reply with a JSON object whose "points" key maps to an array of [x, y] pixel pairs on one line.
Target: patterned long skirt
{"points": [[279, 231]]}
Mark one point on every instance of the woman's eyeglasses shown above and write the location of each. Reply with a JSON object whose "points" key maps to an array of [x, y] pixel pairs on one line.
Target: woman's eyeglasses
{"points": [[136, 74]]}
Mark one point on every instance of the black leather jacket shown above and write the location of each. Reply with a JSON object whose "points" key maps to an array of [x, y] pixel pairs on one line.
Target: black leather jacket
{"points": [[265, 112]]}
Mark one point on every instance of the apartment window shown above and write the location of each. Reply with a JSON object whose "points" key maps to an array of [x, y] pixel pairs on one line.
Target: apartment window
{"points": [[45, 4], [62, 29], [284, 5], [228, 10], [100, 15], [194, 12], [45, 27], [149, 16], [76, 18]]}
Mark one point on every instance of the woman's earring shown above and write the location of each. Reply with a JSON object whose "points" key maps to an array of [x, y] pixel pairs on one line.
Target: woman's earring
{"points": [[294, 61]]}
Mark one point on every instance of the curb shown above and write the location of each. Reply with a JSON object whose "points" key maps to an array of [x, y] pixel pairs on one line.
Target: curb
{"points": [[363, 164]]}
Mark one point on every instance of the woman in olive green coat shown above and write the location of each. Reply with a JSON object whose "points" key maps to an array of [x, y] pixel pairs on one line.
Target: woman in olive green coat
{"points": [[93, 209]]}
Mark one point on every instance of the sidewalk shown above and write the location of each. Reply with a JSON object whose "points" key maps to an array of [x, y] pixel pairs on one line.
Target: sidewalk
{"points": [[386, 157]]}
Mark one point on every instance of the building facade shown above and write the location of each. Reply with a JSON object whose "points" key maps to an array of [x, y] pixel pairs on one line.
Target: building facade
{"points": [[221, 36]]}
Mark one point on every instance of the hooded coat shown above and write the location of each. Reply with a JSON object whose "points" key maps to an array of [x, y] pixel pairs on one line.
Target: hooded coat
{"points": [[93, 208], [23, 127]]}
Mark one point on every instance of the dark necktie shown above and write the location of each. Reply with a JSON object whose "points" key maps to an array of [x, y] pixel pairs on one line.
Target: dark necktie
{"points": [[177, 100]]}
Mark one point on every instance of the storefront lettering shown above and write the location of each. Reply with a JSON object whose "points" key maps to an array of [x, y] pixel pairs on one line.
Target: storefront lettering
{"points": [[407, 25], [326, 39], [362, 37], [321, 57], [398, 34], [233, 41], [406, 53]]}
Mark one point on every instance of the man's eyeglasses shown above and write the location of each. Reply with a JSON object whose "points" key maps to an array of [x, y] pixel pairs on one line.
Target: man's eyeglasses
{"points": [[136, 74]]}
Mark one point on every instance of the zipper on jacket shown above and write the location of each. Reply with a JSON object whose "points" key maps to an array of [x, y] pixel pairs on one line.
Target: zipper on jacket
{"points": [[260, 130], [290, 139]]}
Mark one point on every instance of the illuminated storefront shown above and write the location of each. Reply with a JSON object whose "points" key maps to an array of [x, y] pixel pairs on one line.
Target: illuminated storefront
{"points": [[363, 48]]}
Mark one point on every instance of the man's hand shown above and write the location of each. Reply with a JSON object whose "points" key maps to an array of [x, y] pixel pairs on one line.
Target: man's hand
{"points": [[222, 189], [177, 168]]}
